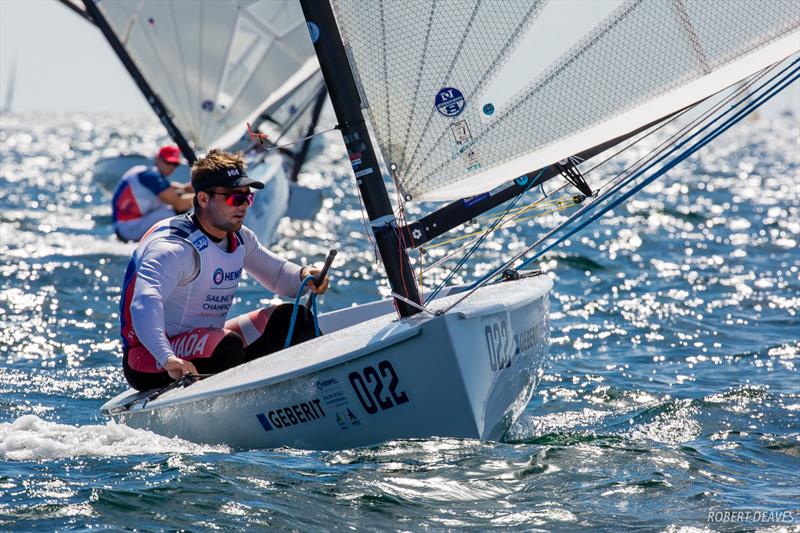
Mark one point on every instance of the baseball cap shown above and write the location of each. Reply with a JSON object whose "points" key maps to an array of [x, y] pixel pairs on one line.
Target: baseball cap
{"points": [[170, 154], [230, 177]]}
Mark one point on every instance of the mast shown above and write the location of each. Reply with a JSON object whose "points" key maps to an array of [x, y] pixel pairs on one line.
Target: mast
{"points": [[152, 98], [346, 104]]}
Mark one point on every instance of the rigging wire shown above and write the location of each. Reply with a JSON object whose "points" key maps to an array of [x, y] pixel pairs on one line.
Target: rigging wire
{"points": [[547, 198], [544, 200], [400, 215], [767, 94], [481, 219], [367, 227], [705, 140], [555, 206], [480, 240], [670, 141], [301, 139]]}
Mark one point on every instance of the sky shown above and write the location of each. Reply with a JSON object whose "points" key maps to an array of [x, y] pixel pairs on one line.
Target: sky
{"points": [[64, 64]]}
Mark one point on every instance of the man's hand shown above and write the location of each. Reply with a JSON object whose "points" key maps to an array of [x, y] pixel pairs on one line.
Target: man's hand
{"points": [[177, 367], [314, 271], [185, 188]]}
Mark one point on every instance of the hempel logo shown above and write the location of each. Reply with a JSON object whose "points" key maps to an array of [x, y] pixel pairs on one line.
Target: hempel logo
{"points": [[220, 275]]}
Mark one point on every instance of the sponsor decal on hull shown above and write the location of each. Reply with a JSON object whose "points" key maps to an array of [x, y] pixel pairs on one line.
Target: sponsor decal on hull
{"points": [[291, 415]]}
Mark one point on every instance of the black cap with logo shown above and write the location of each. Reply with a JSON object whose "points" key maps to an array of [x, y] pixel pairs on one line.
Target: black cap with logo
{"points": [[231, 177]]}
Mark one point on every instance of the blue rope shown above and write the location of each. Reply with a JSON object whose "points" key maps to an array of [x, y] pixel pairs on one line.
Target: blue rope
{"points": [[752, 106], [477, 244], [292, 322], [779, 86]]}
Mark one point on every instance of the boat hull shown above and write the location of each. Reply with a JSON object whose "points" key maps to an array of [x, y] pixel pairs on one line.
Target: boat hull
{"points": [[465, 374]]}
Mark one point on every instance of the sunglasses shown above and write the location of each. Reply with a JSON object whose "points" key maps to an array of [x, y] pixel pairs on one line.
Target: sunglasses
{"points": [[235, 199]]}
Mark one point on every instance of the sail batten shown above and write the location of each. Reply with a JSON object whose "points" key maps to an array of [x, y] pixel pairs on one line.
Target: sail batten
{"points": [[438, 125]]}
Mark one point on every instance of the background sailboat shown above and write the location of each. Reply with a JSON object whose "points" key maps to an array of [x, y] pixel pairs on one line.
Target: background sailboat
{"points": [[8, 101], [208, 69], [466, 364]]}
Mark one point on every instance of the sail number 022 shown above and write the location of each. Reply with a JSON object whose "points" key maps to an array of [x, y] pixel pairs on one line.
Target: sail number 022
{"points": [[498, 341], [377, 388]]}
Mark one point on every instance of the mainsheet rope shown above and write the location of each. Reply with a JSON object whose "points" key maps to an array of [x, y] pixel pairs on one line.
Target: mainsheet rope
{"points": [[313, 299]]}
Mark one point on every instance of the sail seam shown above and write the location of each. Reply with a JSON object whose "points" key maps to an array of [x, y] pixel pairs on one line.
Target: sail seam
{"points": [[444, 78], [186, 90], [386, 100], [422, 63], [691, 34], [493, 66], [579, 49]]}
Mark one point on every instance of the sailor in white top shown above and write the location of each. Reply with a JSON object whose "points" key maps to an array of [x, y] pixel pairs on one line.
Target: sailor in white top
{"points": [[181, 281]]}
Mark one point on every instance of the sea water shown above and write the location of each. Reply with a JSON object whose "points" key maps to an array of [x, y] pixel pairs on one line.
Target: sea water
{"points": [[671, 398]]}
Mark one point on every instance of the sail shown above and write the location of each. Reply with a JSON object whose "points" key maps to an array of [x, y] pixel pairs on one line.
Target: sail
{"points": [[464, 95], [281, 119], [215, 65], [10, 84]]}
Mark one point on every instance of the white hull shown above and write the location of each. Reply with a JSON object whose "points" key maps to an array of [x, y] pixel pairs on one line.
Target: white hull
{"points": [[468, 373]]}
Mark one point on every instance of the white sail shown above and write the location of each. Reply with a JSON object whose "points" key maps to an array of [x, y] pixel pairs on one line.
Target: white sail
{"points": [[215, 65], [464, 95]]}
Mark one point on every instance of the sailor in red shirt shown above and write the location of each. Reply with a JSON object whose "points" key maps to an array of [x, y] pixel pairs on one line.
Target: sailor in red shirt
{"points": [[144, 196]]}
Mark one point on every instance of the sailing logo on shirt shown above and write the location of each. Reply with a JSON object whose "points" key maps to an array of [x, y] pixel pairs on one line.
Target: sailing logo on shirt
{"points": [[201, 243]]}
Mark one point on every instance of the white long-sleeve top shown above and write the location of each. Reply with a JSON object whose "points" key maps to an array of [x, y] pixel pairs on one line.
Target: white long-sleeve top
{"points": [[167, 266]]}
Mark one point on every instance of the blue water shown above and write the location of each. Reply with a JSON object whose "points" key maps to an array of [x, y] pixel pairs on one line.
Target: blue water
{"points": [[672, 390]]}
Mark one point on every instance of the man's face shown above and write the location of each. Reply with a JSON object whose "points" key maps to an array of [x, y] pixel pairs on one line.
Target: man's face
{"points": [[165, 168], [222, 210]]}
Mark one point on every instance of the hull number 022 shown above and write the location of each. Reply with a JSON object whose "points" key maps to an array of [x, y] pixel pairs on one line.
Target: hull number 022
{"points": [[498, 342], [377, 388]]}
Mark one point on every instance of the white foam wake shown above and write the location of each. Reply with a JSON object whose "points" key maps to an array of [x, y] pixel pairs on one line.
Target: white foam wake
{"points": [[29, 438]]}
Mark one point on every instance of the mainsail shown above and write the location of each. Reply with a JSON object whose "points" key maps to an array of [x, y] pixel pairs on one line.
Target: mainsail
{"points": [[465, 95], [215, 65]]}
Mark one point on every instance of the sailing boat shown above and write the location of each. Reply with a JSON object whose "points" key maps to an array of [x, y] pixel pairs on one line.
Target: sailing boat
{"points": [[10, 84], [216, 77], [453, 120]]}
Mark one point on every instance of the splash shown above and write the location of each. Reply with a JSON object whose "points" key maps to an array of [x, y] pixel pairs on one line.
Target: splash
{"points": [[29, 438]]}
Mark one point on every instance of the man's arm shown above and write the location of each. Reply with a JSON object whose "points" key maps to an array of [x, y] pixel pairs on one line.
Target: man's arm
{"points": [[270, 270], [164, 265], [177, 198]]}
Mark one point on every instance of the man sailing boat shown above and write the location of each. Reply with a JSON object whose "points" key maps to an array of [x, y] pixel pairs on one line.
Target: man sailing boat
{"points": [[180, 284], [144, 196]]}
